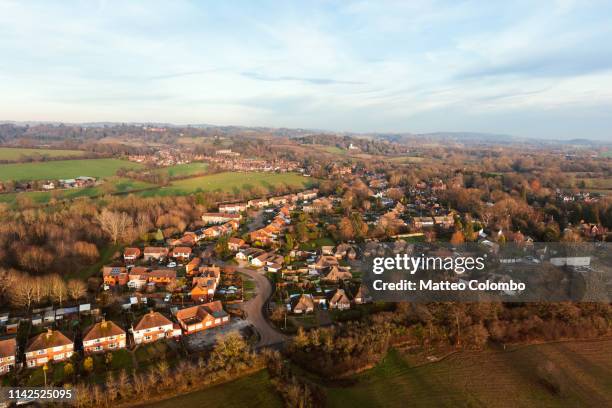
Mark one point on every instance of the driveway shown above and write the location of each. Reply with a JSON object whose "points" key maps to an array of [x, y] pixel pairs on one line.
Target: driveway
{"points": [[254, 308]]}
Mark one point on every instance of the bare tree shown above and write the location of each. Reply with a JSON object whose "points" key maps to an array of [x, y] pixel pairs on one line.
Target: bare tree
{"points": [[76, 289], [114, 224], [57, 288], [22, 294]]}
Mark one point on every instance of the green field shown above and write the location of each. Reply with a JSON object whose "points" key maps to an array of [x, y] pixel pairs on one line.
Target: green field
{"points": [[17, 153], [252, 391], [120, 185], [406, 159], [63, 169], [183, 170], [231, 182], [486, 379]]}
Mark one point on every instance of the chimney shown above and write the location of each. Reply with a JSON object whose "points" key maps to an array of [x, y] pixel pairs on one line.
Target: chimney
{"points": [[49, 333]]}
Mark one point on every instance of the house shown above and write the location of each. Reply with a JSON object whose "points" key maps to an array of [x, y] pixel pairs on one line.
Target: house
{"points": [[278, 200], [302, 304], [235, 244], [192, 265], [152, 327], [114, 275], [211, 272], [258, 203], [308, 194], [422, 222], [155, 253], [220, 218], [336, 274], [8, 350], [232, 208], [182, 252], [131, 254], [262, 236], [445, 221], [104, 336], [202, 317], [160, 276], [319, 205], [340, 300], [325, 261], [362, 296], [203, 288], [51, 345]]}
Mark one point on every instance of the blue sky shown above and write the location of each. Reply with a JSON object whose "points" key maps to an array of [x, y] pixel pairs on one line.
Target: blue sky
{"points": [[535, 69]]}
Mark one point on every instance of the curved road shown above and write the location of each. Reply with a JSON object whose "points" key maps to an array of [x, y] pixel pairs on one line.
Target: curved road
{"points": [[254, 308]]}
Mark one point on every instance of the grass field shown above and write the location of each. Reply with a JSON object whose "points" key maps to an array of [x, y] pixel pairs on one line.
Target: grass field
{"points": [[486, 379], [17, 153], [183, 170], [254, 390], [121, 185], [63, 169], [231, 182], [406, 159]]}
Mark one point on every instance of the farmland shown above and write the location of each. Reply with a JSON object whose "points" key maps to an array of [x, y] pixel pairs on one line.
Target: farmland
{"points": [[119, 185], [62, 169], [183, 170], [253, 390], [487, 378], [231, 182], [16, 153]]}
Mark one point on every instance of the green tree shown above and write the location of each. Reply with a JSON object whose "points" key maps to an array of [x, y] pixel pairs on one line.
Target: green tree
{"points": [[159, 235]]}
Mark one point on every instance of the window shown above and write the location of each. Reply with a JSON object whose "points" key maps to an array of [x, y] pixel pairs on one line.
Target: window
{"points": [[147, 338], [112, 345]]}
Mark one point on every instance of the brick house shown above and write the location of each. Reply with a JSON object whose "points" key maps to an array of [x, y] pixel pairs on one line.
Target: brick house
{"points": [[152, 327], [202, 317], [181, 252], [8, 349], [131, 254], [220, 218], [104, 336], [232, 208], [235, 244], [51, 345], [115, 275], [155, 253]]}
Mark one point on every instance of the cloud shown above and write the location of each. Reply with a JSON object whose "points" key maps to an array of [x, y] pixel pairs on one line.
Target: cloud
{"points": [[314, 81]]}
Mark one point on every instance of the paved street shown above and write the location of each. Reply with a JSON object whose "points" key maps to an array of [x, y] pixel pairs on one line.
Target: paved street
{"points": [[268, 335]]}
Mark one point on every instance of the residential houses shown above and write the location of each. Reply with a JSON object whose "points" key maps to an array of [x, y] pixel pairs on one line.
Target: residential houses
{"points": [[155, 253], [152, 327], [51, 345], [220, 217], [8, 350], [202, 317], [232, 208], [104, 336], [302, 304], [130, 255]]}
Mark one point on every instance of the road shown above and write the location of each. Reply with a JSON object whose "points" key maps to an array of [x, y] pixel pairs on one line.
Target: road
{"points": [[254, 308]]}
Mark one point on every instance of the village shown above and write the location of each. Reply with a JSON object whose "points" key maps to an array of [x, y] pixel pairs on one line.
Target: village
{"points": [[188, 289]]}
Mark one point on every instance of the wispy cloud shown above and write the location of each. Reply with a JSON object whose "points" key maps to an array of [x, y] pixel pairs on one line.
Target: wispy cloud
{"points": [[315, 81], [539, 69]]}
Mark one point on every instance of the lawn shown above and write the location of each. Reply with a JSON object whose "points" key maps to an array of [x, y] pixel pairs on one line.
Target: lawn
{"points": [[254, 390], [17, 153], [487, 378], [120, 185], [63, 169], [183, 170], [232, 182]]}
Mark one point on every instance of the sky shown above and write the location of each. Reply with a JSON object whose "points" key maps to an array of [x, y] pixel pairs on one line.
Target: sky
{"points": [[532, 69]]}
